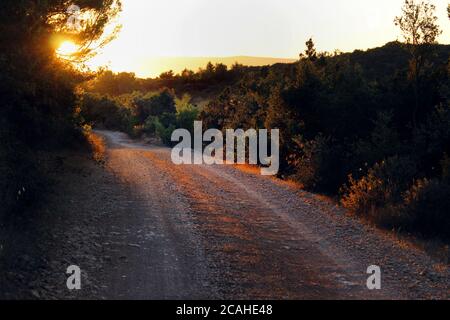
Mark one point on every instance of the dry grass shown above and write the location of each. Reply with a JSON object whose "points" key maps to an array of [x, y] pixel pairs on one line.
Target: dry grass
{"points": [[97, 145], [248, 168]]}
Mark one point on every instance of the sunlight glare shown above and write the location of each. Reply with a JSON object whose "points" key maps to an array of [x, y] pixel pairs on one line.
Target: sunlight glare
{"points": [[67, 48]]}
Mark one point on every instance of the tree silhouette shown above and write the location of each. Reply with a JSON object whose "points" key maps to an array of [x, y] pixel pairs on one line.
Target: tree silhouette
{"points": [[38, 100], [310, 50], [419, 28], [168, 75]]}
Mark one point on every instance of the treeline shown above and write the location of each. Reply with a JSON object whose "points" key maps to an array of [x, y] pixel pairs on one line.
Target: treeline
{"points": [[211, 77], [348, 128]]}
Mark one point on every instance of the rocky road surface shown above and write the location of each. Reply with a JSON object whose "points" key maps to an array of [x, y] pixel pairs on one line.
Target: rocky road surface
{"points": [[144, 228]]}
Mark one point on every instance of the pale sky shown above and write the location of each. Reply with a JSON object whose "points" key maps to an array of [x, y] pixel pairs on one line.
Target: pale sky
{"points": [[263, 28]]}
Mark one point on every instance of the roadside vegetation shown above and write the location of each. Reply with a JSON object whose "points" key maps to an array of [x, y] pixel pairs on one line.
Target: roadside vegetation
{"points": [[39, 113]]}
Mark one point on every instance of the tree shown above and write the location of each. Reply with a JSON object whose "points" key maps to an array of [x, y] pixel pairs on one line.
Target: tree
{"points": [[419, 28], [310, 50], [37, 87], [168, 75], [208, 73], [155, 104], [91, 17], [220, 71], [187, 75]]}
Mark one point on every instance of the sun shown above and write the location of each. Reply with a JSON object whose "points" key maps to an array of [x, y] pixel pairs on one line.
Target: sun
{"points": [[67, 48]]}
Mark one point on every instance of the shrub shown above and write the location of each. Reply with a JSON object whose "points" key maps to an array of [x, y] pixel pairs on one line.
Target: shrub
{"points": [[427, 202], [186, 118], [381, 188], [155, 104], [106, 112], [149, 126], [319, 166], [165, 133], [166, 123]]}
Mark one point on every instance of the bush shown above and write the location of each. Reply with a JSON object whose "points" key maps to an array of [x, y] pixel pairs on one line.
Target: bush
{"points": [[103, 111], [166, 123], [381, 188], [319, 167], [165, 133], [149, 126], [155, 104], [186, 118], [428, 205]]}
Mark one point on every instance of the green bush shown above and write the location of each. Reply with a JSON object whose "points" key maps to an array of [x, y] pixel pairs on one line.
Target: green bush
{"points": [[149, 126], [165, 133], [155, 104], [166, 123], [186, 118]]}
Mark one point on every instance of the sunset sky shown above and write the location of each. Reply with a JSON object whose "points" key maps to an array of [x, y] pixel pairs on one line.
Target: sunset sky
{"points": [[263, 28]]}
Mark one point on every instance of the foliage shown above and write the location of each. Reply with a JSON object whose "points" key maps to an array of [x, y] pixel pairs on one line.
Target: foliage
{"points": [[383, 185], [155, 104], [104, 112], [418, 23], [419, 28], [154, 114], [428, 205], [38, 89], [319, 165], [211, 78], [383, 141]]}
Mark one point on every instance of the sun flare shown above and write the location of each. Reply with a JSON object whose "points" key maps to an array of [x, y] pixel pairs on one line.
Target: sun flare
{"points": [[67, 48]]}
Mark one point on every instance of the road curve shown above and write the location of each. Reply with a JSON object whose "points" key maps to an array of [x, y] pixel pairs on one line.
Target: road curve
{"points": [[203, 232]]}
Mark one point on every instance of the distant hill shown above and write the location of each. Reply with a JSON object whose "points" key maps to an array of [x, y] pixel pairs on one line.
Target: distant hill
{"points": [[155, 66]]}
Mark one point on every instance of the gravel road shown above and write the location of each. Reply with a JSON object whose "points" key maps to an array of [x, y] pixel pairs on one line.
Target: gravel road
{"points": [[145, 228]]}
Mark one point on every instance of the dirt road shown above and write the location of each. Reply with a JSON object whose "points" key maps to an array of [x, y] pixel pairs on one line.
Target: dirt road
{"points": [[153, 230]]}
